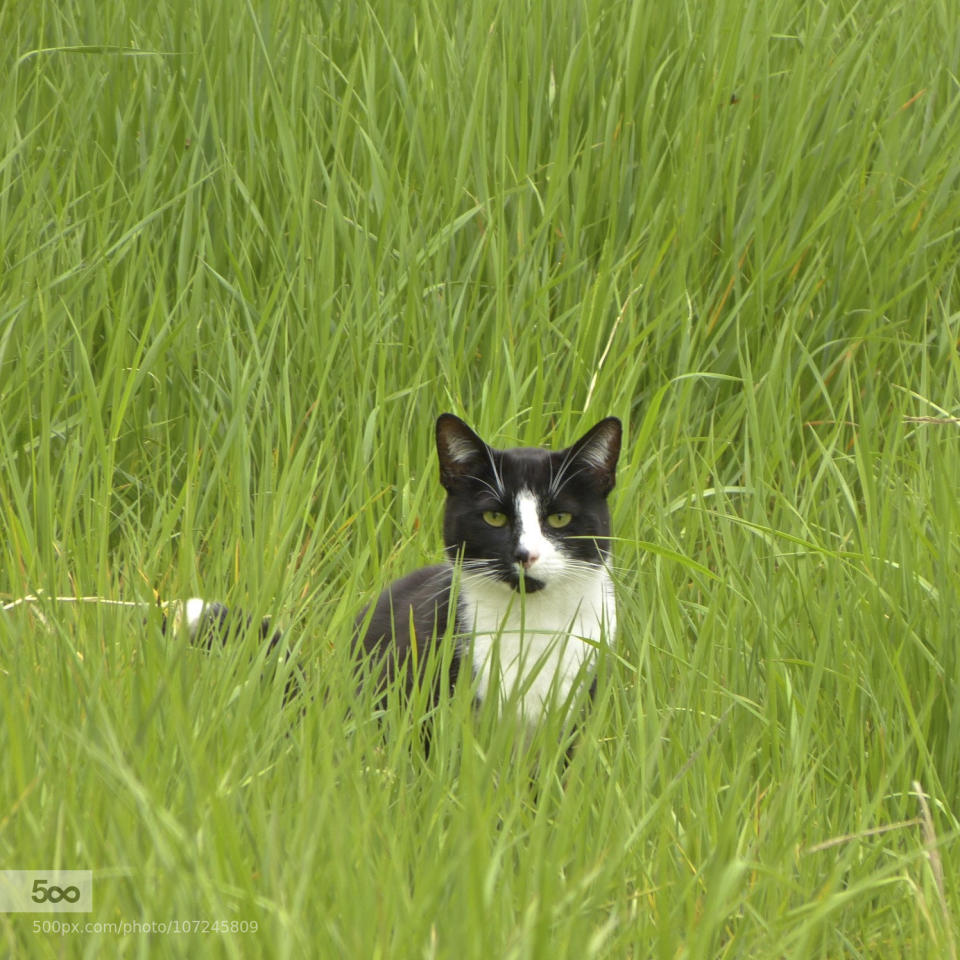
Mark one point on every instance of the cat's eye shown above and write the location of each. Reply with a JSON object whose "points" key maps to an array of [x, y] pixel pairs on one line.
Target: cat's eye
{"points": [[494, 518], [558, 520]]}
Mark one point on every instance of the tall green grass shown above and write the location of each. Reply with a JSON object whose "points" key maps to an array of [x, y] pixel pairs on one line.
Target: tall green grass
{"points": [[249, 251]]}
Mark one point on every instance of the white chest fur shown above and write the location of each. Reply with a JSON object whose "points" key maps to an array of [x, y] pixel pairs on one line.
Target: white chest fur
{"points": [[531, 650]]}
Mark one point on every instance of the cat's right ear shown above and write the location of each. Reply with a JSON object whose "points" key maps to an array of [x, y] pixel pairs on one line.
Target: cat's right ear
{"points": [[462, 453]]}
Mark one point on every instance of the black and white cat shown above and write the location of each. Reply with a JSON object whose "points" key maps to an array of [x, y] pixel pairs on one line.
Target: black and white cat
{"points": [[526, 582]]}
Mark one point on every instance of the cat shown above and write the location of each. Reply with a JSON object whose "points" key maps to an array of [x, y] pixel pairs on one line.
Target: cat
{"points": [[525, 593]]}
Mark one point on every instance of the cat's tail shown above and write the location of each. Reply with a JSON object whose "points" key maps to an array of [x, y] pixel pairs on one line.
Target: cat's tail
{"points": [[210, 624]]}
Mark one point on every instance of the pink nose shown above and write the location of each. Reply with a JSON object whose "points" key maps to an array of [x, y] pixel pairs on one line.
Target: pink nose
{"points": [[527, 557]]}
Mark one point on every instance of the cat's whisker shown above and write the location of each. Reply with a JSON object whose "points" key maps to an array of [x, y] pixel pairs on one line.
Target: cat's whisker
{"points": [[498, 479], [496, 491], [557, 482], [564, 478]]}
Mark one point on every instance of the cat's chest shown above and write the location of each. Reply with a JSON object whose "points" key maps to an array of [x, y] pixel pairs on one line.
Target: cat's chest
{"points": [[532, 650]]}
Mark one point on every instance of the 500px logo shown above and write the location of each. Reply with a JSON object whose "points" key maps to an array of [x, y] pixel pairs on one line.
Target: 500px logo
{"points": [[43, 894], [46, 891]]}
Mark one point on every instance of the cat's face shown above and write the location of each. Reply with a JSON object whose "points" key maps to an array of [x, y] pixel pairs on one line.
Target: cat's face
{"points": [[527, 516]]}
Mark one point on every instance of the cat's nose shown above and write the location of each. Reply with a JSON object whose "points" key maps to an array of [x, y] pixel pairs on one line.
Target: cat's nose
{"points": [[527, 557]]}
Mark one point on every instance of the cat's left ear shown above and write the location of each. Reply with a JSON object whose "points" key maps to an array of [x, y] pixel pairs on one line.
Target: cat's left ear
{"points": [[598, 450], [462, 453]]}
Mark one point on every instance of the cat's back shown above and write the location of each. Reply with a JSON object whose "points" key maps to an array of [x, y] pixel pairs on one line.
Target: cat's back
{"points": [[421, 598]]}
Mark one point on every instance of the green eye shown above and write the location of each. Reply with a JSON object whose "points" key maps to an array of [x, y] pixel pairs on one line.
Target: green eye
{"points": [[494, 518], [558, 520]]}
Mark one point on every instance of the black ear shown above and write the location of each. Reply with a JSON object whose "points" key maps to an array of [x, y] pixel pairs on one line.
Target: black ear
{"points": [[461, 452], [598, 451]]}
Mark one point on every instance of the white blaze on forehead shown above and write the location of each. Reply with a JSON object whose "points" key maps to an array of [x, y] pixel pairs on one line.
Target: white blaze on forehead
{"points": [[529, 535]]}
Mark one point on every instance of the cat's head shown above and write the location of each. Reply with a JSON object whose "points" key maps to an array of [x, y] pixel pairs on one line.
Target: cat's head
{"points": [[527, 515]]}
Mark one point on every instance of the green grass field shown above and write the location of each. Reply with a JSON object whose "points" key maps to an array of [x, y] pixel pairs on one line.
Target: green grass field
{"points": [[251, 250]]}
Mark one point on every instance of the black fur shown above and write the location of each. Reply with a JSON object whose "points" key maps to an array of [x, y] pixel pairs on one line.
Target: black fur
{"points": [[384, 634]]}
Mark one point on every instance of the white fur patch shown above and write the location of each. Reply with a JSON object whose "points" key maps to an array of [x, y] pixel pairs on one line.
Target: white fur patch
{"points": [[541, 641], [192, 612], [530, 537]]}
